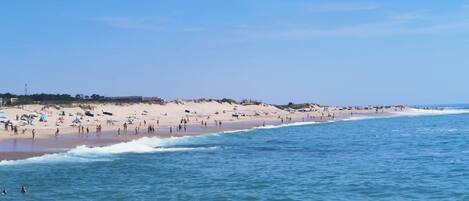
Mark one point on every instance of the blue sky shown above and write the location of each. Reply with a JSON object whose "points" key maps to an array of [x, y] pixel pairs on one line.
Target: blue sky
{"points": [[330, 52]]}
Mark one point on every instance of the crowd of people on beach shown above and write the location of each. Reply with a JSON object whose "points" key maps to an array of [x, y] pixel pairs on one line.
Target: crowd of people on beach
{"points": [[183, 125], [14, 129], [82, 129]]}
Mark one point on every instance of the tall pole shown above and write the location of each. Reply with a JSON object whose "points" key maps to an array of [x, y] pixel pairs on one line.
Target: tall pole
{"points": [[25, 93]]}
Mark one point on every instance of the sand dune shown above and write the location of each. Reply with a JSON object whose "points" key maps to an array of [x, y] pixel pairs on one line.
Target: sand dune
{"points": [[67, 119]]}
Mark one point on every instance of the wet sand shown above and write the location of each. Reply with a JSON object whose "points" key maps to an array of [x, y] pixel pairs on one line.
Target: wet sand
{"points": [[21, 148]]}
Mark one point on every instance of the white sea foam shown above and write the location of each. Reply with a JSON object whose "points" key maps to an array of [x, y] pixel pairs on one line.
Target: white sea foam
{"points": [[269, 127], [106, 153], [154, 144], [412, 112], [286, 125], [143, 145], [431, 112], [358, 118], [236, 131]]}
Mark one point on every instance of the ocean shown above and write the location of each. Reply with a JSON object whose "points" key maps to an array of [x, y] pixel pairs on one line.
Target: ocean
{"points": [[416, 157]]}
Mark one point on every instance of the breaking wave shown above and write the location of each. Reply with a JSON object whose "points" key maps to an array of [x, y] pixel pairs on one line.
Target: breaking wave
{"points": [[154, 144], [431, 112], [85, 153]]}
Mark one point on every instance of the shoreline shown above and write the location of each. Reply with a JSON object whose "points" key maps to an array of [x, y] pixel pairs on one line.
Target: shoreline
{"points": [[22, 146], [17, 149]]}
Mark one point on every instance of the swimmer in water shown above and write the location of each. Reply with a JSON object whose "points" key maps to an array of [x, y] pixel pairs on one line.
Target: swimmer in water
{"points": [[4, 192], [23, 189]]}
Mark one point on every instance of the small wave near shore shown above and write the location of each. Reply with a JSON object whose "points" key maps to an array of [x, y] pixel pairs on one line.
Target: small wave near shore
{"points": [[85, 153]]}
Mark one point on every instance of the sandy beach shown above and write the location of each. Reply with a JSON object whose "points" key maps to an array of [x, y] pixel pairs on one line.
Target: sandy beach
{"points": [[104, 124]]}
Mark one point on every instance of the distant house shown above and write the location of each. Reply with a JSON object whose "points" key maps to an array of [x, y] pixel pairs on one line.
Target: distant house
{"points": [[153, 99], [13, 100], [132, 99], [125, 98]]}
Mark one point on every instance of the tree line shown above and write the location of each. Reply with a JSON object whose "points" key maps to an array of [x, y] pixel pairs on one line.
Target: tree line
{"points": [[10, 99]]}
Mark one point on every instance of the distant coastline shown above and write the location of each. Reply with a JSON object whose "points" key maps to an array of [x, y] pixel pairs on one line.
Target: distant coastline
{"points": [[62, 127], [36, 129], [48, 123]]}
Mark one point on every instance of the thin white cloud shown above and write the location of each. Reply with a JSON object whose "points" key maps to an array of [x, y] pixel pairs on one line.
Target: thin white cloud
{"points": [[342, 7], [411, 16], [369, 30], [417, 22], [388, 27], [149, 24], [131, 23]]}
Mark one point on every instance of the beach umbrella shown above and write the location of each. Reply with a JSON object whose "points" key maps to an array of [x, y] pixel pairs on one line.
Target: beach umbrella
{"points": [[42, 117]]}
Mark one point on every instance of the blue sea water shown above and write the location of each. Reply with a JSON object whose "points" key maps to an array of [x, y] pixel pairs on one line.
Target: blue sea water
{"points": [[401, 158]]}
